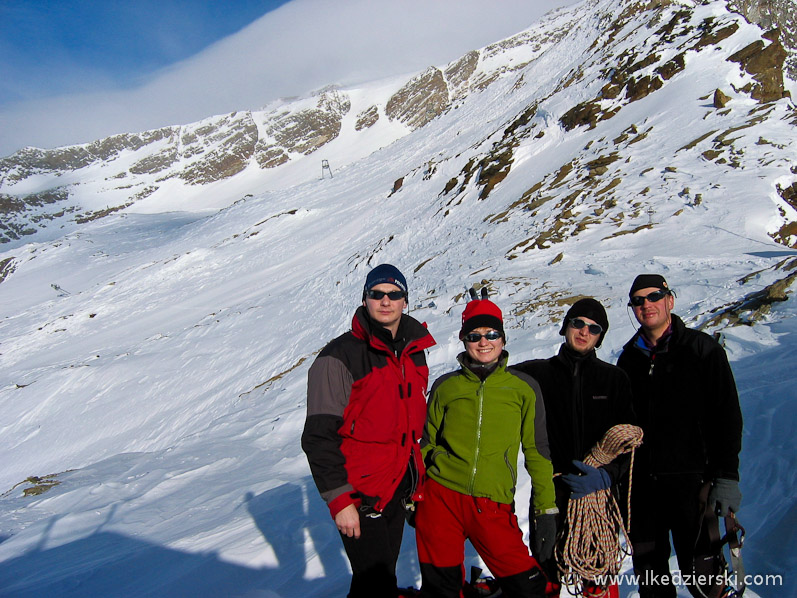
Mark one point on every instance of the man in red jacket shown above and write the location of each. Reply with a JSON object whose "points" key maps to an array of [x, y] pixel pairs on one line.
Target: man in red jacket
{"points": [[366, 408]]}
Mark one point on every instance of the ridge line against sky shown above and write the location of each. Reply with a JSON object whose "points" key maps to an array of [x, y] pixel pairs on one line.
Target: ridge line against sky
{"points": [[297, 46]]}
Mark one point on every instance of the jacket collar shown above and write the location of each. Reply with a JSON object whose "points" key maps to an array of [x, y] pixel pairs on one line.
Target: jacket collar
{"points": [[475, 371], [671, 337], [412, 335], [570, 358]]}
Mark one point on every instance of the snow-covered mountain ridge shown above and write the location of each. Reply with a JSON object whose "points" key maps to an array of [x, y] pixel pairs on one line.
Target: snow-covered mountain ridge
{"points": [[75, 184], [152, 403]]}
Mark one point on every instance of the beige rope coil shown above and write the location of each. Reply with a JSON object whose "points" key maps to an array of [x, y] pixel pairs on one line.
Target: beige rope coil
{"points": [[592, 549]]}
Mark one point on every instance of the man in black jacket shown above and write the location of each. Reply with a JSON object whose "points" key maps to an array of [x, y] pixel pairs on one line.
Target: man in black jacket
{"points": [[584, 397], [685, 399]]}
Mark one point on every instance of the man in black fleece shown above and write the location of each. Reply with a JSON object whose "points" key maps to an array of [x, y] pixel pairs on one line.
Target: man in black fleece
{"points": [[584, 397], [685, 398]]}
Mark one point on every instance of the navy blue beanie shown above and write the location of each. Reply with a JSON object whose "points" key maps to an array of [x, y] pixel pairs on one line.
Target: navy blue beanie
{"points": [[385, 273]]}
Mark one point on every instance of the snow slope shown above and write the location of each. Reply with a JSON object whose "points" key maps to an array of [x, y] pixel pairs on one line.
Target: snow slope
{"points": [[159, 395]]}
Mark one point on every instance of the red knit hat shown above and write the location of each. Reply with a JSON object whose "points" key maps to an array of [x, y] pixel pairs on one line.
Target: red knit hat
{"points": [[481, 313]]}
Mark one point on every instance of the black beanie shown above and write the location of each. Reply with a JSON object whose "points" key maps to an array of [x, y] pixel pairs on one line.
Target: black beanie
{"points": [[588, 308], [647, 281]]}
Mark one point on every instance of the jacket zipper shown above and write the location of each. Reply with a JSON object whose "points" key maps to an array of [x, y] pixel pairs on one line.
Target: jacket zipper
{"points": [[480, 395], [578, 411]]}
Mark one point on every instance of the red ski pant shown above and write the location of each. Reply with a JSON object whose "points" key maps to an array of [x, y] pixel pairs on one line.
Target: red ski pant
{"points": [[446, 518]]}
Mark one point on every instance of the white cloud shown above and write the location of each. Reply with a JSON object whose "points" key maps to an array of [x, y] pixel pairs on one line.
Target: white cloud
{"points": [[303, 45]]}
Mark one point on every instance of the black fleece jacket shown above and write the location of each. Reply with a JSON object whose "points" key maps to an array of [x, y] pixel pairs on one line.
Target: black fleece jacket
{"points": [[584, 397], [685, 398]]}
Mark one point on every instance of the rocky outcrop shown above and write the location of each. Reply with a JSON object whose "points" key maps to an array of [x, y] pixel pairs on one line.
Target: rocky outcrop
{"points": [[270, 155], [23, 215], [765, 64], [233, 147], [30, 161], [756, 305], [7, 267], [459, 73], [787, 234], [634, 76], [157, 162], [771, 14], [425, 97], [333, 101], [305, 131], [367, 118]]}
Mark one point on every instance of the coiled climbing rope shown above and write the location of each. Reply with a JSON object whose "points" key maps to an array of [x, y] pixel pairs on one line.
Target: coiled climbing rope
{"points": [[593, 550]]}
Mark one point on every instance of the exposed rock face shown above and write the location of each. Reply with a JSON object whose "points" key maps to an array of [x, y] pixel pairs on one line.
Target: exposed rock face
{"points": [[157, 162], [420, 100], [232, 147], [627, 83], [7, 267], [48, 206], [269, 155], [304, 132], [756, 305], [367, 118], [459, 73], [770, 14], [131, 167], [765, 64], [208, 151], [333, 101], [35, 161]]}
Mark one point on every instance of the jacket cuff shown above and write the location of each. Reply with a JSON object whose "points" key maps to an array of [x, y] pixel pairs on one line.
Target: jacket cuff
{"points": [[341, 502]]}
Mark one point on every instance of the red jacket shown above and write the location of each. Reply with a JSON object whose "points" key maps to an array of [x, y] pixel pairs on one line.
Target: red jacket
{"points": [[366, 409]]}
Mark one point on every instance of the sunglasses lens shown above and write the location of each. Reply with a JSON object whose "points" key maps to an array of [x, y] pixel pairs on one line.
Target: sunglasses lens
{"points": [[578, 324], [639, 300], [378, 295], [475, 337]]}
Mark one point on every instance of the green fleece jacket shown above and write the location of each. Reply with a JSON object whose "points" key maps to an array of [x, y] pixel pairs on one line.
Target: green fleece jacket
{"points": [[475, 427]]}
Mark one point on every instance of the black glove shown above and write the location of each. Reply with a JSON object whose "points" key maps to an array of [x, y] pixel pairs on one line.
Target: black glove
{"points": [[544, 536], [724, 496], [592, 480]]}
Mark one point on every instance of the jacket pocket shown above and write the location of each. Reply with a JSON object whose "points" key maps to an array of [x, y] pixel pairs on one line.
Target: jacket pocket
{"points": [[512, 472]]}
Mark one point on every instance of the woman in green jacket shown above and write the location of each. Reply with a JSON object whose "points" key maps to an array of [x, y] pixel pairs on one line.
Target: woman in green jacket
{"points": [[478, 418]]}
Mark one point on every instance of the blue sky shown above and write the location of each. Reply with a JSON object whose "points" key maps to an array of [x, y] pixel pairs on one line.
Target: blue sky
{"points": [[54, 47], [75, 71]]}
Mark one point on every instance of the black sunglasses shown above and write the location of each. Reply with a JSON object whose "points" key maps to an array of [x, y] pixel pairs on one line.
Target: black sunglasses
{"points": [[475, 337], [639, 300], [578, 324], [378, 295]]}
